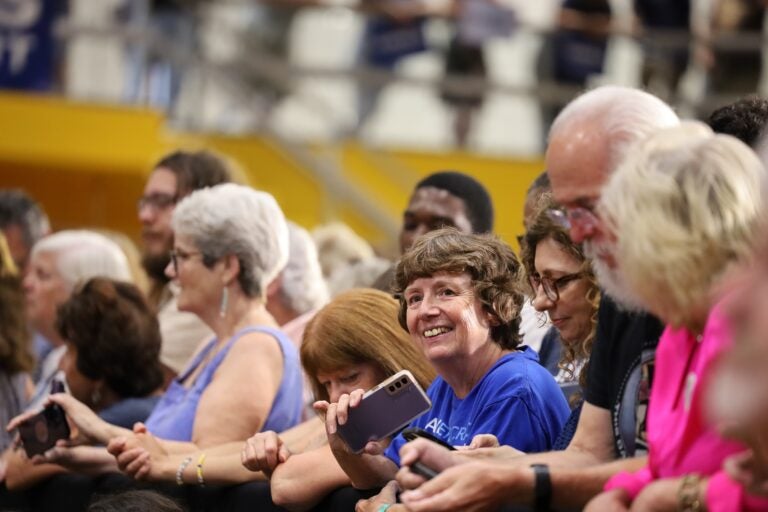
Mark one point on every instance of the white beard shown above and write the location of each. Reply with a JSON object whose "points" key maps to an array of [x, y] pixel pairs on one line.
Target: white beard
{"points": [[611, 280]]}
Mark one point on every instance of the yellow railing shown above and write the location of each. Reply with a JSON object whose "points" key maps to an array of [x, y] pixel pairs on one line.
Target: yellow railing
{"points": [[87, 165]]}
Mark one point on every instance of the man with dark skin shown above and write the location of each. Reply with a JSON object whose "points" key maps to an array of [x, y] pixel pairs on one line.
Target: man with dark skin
{"points": [[446, 199]]}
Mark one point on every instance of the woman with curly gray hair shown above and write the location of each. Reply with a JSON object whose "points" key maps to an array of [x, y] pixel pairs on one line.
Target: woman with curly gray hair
{"points": [[460, 301]]}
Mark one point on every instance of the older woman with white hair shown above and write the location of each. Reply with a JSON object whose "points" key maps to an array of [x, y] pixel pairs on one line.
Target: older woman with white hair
{"points": [[58, 263], [686, 206], [230, 243]]}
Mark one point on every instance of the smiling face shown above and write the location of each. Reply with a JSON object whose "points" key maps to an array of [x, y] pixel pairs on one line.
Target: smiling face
{"points": [[357, 376], [571, 314], [445, 317], [45, 290], [429, 209]]}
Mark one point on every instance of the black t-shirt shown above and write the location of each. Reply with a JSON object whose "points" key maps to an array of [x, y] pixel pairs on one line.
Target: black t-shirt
{"points": [[621, 372]]}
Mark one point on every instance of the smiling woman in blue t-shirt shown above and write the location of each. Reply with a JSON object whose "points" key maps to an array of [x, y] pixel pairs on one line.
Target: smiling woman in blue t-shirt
{"points": [[460, 299]]}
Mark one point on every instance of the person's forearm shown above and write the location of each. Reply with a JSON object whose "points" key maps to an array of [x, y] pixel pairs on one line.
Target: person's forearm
{"points": [[366, 471], [22, 474], [216, 469], [573, 487], [178, 447], [305, 479]]}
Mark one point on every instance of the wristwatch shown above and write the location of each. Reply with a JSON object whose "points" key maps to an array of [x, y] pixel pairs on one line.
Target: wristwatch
{"points": [[542, 489]]}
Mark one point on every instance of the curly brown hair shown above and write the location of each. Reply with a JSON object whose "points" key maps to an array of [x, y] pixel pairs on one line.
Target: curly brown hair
{"points": [[542, 227], [488, 260], [116, 335]]}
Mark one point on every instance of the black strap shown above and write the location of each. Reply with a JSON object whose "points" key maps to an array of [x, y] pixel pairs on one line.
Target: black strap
{"points": [[542, 490]]}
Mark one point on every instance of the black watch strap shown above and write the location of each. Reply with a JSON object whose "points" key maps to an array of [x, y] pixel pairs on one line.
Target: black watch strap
{"points": [[542, 490]]}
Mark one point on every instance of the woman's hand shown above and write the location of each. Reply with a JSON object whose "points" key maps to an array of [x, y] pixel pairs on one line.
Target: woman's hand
{"points": [[263, 452], [483, 441], [136, 453], [337, 414], [615, 500], [86, 426], [748, 471], [387, 496], [658, 496]]}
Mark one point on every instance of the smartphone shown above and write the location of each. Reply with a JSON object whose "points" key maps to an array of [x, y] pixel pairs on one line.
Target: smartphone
{"points": [[384, 410], [412, 433], [40, 432]]}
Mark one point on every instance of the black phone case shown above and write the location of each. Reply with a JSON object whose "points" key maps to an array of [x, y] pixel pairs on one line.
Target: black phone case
{"points": [[413, 433], [40, 432]]}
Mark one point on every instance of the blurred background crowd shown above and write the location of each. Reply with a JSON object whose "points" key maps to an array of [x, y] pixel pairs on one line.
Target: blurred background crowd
{"points": [[215, 212]]}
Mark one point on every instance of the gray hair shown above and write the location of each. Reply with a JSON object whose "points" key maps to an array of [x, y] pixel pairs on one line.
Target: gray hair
{"points": [[623, 114], [303, 287], [81, 255], [236, 219]]}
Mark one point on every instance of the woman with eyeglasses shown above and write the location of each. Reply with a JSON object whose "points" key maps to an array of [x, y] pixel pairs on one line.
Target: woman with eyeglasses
{"points": [[230, 242], [564, 287]]}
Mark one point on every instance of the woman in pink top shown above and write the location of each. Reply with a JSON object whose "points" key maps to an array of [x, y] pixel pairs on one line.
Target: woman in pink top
{"points": [[686, 205]]}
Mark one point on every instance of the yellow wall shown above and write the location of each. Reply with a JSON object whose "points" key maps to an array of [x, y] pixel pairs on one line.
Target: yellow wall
{"points": [[87, 164]]}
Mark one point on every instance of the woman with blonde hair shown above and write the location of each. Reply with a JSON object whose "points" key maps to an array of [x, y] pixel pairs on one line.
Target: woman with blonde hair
{"points": [[354, 341], [685, 206]]}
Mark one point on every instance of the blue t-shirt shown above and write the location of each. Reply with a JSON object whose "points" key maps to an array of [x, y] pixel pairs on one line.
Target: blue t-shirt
{"points": [[517, 400]]}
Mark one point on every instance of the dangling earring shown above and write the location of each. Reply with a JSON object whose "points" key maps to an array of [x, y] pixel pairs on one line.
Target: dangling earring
{"points": [[224, 302], [96, 396]]}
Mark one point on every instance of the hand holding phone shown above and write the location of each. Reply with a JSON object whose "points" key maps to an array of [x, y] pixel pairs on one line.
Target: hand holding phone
{"points": [[40, 432], [413, 433], [384, 410]]}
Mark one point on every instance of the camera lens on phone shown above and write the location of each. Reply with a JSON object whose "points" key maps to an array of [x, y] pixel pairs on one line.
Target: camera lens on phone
{"points": [[398, 385], [392, 388]]}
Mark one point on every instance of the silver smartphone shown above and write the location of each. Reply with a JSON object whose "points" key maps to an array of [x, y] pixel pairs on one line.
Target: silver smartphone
{"points": [[384, 410]]}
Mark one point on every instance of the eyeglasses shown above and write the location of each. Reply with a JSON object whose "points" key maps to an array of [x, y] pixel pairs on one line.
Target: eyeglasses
{"points": [[567, 218], [179, 255], [156, 201], [552, 287]]}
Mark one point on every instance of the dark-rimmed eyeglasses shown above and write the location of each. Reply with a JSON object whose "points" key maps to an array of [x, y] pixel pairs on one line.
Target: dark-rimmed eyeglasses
{"points": [[156, 201], [179, 255], [552, 287]]}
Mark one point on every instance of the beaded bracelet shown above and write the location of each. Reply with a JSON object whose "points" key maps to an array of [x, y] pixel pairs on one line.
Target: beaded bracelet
{"points": [[688, 498], [180, 471], [200, 479]]}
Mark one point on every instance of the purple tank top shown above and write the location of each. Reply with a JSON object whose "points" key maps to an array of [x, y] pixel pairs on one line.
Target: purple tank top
{"points": [[174, 416]]}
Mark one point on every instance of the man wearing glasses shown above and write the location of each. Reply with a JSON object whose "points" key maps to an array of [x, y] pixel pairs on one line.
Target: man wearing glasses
{"points": [[587, 142], [174, 177]]}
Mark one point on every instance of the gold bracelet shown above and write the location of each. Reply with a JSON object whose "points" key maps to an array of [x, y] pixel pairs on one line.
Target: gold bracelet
{"points": [[688, 495], [200, 479]]}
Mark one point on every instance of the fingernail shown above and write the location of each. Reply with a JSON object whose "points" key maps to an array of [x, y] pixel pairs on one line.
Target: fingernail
{"points": [[411, 495], [332, 429]]}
